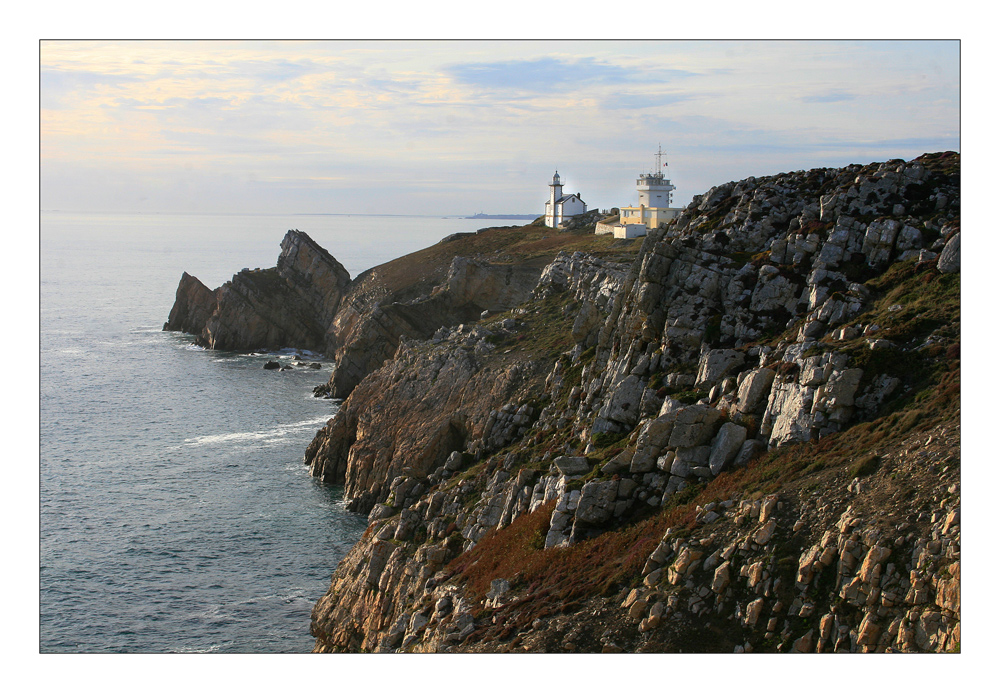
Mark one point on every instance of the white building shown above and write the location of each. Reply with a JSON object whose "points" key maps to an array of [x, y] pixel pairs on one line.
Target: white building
{"points": [[653, 208], [561, 207]]}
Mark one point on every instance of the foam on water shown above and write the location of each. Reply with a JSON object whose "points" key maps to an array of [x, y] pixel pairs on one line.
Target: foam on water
{"points": [[258, 436]]}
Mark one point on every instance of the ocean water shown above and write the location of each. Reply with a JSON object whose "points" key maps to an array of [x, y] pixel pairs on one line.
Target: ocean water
{"points": [[176, 514]]}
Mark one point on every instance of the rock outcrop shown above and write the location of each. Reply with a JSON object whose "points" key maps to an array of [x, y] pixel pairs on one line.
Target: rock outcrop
{"points": [[308, 301], [289, 305], [192, 308], [811, 315], [365, 333]]}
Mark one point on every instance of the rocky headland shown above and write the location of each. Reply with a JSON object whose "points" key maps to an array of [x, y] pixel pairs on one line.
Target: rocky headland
{"points": [[741, 434]]}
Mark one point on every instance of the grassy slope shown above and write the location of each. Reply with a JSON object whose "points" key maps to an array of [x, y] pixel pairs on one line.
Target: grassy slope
{"points": [[415, 274]]}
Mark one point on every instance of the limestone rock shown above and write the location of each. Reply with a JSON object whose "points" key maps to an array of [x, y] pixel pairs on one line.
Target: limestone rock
{"points": [[653, 436], [764, 534], [754, 389]]}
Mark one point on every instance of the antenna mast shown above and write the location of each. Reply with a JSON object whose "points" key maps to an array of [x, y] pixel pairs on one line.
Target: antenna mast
{"points": [[659, 159]]}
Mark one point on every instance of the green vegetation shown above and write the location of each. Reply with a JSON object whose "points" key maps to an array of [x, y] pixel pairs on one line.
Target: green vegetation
{"points": [[604, 440], [925, 304], [532, 245], [864, 466], [688, 396]]}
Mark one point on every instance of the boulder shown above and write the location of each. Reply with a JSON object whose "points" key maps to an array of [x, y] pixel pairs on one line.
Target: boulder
{"points": [[571, 466], [950, 260], [597, 501], [838, 391], [747, 451], [454, 461], [694, 426], [727, 443], [764, 534], [193, 306], [754, 389]]}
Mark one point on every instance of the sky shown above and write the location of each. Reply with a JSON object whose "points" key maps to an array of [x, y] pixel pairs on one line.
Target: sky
{"points": [[460, 126]]}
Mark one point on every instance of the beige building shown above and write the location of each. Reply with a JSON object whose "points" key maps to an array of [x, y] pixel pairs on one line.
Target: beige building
{"points": [[653, 208]]}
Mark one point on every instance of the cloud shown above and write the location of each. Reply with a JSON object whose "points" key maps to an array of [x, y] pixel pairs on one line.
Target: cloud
{"points": [[637, 100], [552, 74], [460, 115], [275, 70], [57, 86], [829, 97]]}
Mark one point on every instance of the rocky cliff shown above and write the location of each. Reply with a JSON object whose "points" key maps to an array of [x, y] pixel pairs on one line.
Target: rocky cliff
{"points": [[289, 305], [308, 300], [365, 333], [745, 439]]}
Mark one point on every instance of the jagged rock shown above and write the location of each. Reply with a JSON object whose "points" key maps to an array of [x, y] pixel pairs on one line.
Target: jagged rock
{"points": [[289, 305], [788, 417], [694, 291], [879, 241], [622, 408], [653, 436], [192, 308], [764, 534], [838, 391], [754, 389]]}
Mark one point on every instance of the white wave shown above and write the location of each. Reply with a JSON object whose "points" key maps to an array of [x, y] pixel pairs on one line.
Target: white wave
{"points": [[203, 650], [267, 436]]}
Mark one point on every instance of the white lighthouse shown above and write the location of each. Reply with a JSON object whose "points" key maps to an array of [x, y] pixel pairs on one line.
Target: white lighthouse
{"points": [[559, 207], [655, 195]]}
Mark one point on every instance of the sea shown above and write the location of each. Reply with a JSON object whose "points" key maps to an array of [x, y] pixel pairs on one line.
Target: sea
{"points": [[175, 511]]}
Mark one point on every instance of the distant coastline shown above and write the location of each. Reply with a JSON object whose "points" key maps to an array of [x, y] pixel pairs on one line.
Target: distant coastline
{"points": [[504, 216]]}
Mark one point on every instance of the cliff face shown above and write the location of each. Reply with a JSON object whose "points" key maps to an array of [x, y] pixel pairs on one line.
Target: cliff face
{"points": [[288, 305], [746, 439], [435, 397], [308, 301], [365, 333], [192, 307]]}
